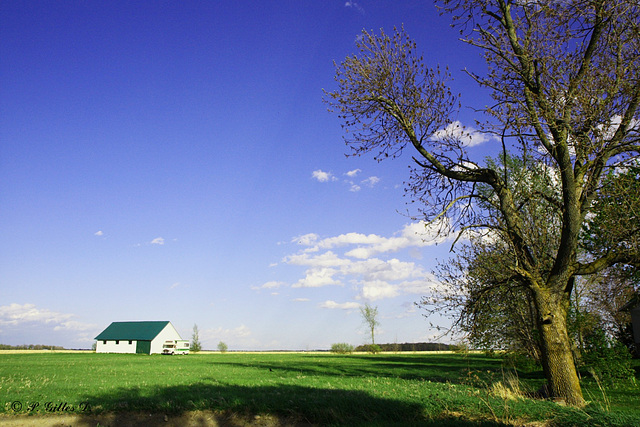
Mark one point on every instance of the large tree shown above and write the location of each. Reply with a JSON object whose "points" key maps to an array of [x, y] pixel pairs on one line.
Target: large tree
{"points": [[495, 312], [480, 294], [565, 77]]}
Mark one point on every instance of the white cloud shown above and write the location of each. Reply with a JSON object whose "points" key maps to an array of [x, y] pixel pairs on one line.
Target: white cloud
{"points": [[467, 135], [19, 315], [375, 269], [318, 277], [349, 239], [415, 234], [354, 5], [178, 284], [410, 309], [73, 325], [301, 299], [15, 314], [269, 285], [98, 233], [327, 259], [322, 176], [378, 289], [353, 187], [362, 261], [343, 306], [157, 241], [609, 128], [371, 181], [306, 239]]}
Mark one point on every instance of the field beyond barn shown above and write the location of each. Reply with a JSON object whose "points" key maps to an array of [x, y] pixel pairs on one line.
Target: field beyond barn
{"points": [[291, 389]]}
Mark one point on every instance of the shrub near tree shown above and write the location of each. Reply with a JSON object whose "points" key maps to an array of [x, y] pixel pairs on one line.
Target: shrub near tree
{"points": [[341, 348], [370, 348], [605, 357]]}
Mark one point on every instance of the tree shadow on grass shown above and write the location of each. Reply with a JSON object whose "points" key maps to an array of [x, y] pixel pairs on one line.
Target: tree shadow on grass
{"points": [[234, 405], [436, 368]]}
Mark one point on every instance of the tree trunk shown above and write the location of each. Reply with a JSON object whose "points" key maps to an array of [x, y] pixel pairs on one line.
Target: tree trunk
{"points": [[557, 358]]}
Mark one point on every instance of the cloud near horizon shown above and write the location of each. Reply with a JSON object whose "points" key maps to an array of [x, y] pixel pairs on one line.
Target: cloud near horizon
{"points": [[22, 314], [361, 264]]}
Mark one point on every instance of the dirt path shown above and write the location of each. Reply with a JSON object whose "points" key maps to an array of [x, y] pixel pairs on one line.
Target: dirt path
{"points": [[135, 419]]}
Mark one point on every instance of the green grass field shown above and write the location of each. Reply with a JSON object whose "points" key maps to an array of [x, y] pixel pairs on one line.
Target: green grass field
{"points": [[313, 388]]}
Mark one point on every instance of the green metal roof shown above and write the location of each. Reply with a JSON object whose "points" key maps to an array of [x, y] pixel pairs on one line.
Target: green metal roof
{"points": [[143, 331]]}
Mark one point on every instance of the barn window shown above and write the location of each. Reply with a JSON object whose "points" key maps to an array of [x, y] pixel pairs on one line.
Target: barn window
{"points": [[130, 342], [117, 342], [104, 342]]}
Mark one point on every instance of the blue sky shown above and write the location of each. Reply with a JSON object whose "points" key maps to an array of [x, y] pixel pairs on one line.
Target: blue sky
{"points": [[173, 160]]}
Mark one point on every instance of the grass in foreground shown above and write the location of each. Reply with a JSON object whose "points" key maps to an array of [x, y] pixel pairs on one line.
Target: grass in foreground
{"points": [[386, 389]]}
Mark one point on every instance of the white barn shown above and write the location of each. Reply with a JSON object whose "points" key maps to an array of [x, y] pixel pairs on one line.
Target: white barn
{"points": [[136, 337]]}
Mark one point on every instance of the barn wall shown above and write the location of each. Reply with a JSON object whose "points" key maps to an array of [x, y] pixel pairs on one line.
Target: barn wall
{"points": [[123, 346], [168, 333]]}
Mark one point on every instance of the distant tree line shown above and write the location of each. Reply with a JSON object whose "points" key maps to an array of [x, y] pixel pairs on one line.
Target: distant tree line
{"points": [[30, 347], [417, 346]]}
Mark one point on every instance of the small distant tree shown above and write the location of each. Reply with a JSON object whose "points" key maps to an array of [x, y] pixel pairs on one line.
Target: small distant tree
{"points": [[341, 348], [196, 346], [222, 347], [370, 317]]}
